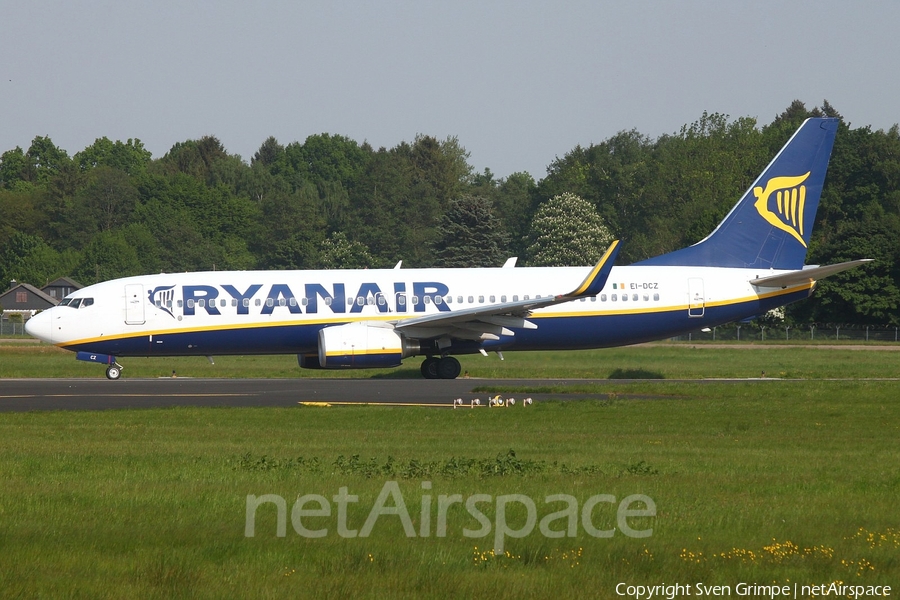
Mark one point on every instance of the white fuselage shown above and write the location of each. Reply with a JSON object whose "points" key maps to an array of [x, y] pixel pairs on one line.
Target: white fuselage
{"points": [[270, 312]]}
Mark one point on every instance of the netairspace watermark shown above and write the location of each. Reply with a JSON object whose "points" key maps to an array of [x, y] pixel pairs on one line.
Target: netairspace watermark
{"points": [[390, 502], [664, 591]]}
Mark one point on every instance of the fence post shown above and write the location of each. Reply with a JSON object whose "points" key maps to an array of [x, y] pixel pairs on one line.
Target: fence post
{"points": [[812, 331], [837, 332], [867, 333], [787, 332], [762, 329]]}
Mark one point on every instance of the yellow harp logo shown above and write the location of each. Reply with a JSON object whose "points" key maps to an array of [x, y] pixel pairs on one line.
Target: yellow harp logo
{"points": [[786, 212]]}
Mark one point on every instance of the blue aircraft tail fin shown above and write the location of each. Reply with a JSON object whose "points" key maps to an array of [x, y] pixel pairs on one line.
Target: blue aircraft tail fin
{"points": [[770, 226]]}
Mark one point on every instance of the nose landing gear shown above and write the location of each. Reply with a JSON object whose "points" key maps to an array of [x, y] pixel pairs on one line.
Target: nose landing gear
{"points": [[113, 371]]}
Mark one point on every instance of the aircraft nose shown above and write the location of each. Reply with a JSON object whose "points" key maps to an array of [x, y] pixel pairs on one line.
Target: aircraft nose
{"points": [[40, 326]]}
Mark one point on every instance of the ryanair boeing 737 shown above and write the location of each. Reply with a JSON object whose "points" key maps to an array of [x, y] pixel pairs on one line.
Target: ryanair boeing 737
{"points": [[345, 319]]}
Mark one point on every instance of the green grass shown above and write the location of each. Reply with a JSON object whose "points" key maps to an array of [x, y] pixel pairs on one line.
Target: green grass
{"points": [[783, 481], [666, 361]]}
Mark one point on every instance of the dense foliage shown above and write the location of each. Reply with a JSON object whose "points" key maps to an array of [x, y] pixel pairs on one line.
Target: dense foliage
{"points": [[113, 210]]}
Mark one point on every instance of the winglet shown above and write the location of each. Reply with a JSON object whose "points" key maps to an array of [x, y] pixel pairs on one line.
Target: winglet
{"points": [[596, 279]]}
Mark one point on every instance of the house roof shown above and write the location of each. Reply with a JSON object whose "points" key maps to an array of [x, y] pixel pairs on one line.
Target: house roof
{"points": [[64, 282], [37, 300]]}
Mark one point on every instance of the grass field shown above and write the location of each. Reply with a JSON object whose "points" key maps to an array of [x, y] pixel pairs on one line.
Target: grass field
{"points": [[778, 482]]}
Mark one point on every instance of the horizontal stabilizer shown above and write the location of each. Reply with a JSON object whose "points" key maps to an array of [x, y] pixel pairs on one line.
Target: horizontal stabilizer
{"points": [[807, 275]]}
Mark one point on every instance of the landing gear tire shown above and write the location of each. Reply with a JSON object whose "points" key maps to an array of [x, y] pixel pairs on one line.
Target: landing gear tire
{"points": [[430, 368], [113, 372], [448, 368]]}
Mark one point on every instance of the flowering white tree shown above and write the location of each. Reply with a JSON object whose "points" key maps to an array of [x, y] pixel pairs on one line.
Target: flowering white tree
{"points": [[338, 252], [567, 231]]}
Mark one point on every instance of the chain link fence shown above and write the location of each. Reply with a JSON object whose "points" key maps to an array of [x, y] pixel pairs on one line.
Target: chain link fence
{"points": [[821, 332], [8, 328]]}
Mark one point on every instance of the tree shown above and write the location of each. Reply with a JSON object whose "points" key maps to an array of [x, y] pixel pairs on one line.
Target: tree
{"points": [[108, 256], [130, 157], [45, 160], [27, 258], [338, 252], [515, 201], [13, 168], [292, 230], [567, 231], [470, 235]]}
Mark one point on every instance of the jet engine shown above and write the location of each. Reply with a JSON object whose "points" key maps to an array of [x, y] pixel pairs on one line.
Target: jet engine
{"points": [[362, 345]]}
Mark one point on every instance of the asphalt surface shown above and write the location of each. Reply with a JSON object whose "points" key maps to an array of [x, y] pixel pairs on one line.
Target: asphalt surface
{"points": [[101, 394]]}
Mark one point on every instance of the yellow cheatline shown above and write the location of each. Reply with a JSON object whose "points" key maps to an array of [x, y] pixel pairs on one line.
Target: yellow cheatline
{"points": [[587, 280]]}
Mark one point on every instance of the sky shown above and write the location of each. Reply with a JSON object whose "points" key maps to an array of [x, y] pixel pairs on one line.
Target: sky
{"points": [[518, 83]]}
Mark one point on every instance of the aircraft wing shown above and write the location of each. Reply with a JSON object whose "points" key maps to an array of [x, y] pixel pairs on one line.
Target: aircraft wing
{"points": [[491, 321], [807, 275]]}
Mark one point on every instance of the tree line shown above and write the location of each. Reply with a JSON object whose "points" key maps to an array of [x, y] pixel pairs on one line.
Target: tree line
{"points": [[112, 210]]}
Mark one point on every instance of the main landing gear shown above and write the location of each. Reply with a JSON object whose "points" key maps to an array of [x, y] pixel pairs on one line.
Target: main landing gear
{"points": [[446, 367], [114, 371]]}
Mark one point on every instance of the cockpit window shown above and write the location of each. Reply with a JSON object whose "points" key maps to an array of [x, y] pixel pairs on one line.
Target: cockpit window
{"points": [[76, 302]]}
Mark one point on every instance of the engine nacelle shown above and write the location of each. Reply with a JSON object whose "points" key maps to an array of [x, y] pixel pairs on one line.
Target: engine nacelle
{"points": [[361, 346]]}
